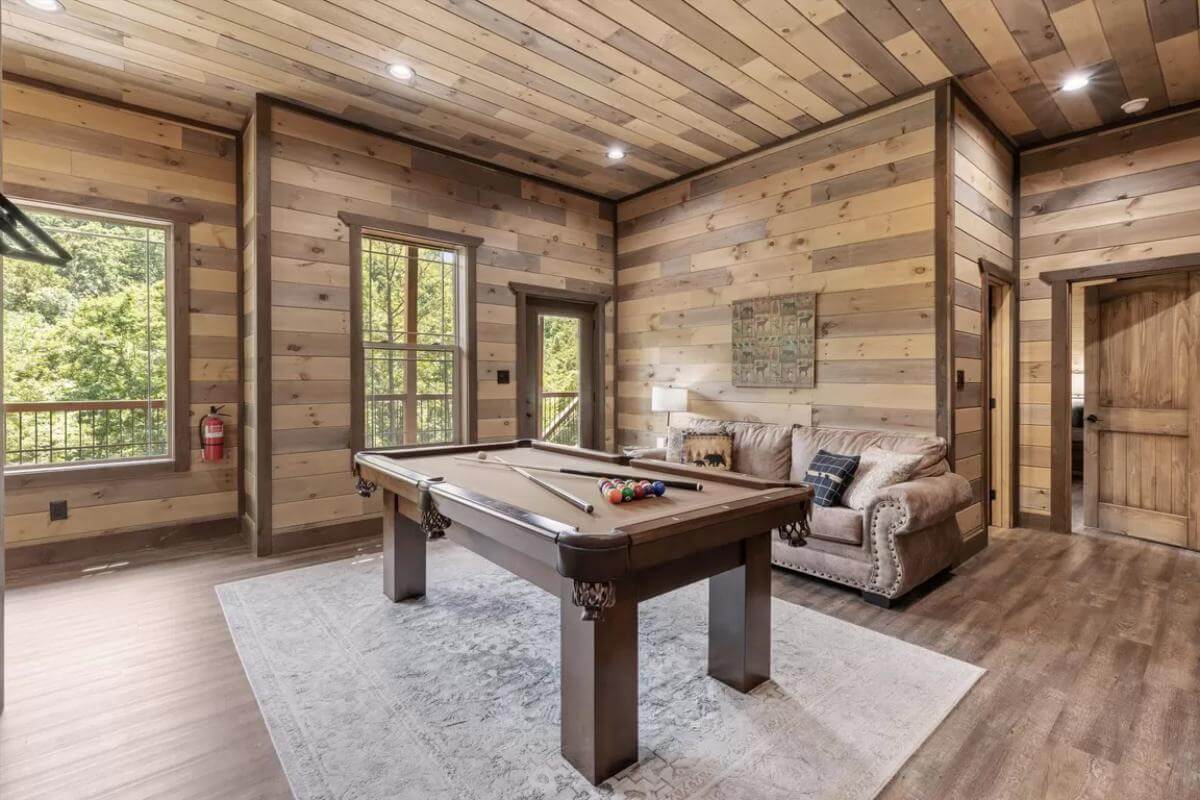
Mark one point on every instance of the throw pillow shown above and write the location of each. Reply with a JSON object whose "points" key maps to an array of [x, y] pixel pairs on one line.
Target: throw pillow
{"points": [[675, 436], [829, 474], [878, 469], [709, 450]]}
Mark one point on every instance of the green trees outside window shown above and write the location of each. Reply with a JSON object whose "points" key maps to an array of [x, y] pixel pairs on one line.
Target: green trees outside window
{"points": [[410, 342], [86, 345]]}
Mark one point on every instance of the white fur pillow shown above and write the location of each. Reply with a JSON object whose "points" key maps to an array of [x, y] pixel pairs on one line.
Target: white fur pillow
{"points": [[878, 469]]}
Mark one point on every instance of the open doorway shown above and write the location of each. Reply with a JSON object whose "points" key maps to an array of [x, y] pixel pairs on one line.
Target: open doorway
{"points": [[560, 366]]}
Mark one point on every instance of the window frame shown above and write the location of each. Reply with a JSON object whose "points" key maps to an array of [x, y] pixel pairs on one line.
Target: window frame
{"points": [[464, 413], [176, 227]]}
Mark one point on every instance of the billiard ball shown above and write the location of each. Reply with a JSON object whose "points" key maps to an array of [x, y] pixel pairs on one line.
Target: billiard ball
{"points": [[660, 488], [627, 494], [615, 497]]}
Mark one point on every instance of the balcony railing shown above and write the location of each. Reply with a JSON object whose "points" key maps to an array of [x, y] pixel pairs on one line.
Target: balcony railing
{"points": [[84, 430], [385, 420], [560, 417]]}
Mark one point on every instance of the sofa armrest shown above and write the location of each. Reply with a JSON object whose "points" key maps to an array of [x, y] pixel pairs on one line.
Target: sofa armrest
{"points": [[919, 503]]}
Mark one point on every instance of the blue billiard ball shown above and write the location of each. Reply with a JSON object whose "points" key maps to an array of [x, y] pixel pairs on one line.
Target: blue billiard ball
{"points": [[659, 488]]}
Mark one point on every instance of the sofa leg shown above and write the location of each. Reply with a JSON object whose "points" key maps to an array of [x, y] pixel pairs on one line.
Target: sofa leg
{"points": [[883, 601]]}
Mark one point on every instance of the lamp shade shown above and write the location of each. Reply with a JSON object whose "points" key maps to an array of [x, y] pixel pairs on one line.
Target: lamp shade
{"points": [[668, 398]]}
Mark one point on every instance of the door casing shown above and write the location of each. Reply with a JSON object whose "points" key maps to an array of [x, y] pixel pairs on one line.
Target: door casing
{"points": [[1060, 282], [532, 300]]}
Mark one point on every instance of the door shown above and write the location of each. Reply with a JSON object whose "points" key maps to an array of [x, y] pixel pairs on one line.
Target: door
{"points": [[558, 372], [1141, 407]]}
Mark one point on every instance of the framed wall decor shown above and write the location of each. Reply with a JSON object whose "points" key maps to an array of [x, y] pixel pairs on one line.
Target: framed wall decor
{"points": [[774, 341]]}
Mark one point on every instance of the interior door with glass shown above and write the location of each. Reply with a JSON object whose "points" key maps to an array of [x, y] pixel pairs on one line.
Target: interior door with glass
{"points": [[559, 395]]}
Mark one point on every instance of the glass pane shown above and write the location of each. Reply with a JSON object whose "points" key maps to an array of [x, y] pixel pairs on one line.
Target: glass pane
{"points": [[408, 299], [385, 290], [86, 344], [435, 396], [384, 382], [435, 295], [560, 380]]}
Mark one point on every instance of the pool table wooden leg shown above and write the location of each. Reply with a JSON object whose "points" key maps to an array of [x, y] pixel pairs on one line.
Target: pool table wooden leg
{"points": [[600, 685], [403, 553], [739, 618]]}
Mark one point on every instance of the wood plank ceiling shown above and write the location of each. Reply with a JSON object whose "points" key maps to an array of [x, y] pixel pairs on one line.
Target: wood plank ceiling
{"points": [[547, 86]]}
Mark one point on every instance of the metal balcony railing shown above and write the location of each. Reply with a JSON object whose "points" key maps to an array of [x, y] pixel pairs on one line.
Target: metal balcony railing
{"points": [[560, 417], [84, 430]]}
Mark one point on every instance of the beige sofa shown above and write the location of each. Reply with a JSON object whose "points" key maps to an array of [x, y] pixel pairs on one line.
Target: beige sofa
{"points": [[905, 535]]}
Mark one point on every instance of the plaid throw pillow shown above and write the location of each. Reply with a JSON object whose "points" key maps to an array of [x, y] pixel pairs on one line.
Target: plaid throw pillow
{"points": [[830, 474]]}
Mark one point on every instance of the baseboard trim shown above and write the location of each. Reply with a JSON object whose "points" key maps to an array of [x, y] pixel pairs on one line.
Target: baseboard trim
{"points": [[977, 542], [106, 544], [322, 535], [1037, 522]]}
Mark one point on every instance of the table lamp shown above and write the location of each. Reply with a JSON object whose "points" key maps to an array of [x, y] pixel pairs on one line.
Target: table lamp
{"points": [[668, 399]]}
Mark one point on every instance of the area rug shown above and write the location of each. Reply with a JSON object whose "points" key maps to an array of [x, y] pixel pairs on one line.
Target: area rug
{"points": [[455, 696]]}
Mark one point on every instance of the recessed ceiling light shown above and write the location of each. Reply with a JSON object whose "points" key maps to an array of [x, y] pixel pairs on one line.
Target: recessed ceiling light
{"points": [[45, 5], [1075, 82], [616, 153], [401, 72], [1135, 105]]}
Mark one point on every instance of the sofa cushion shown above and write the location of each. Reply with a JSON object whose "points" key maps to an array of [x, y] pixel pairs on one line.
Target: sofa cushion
{"points": [[807, 441], [836, 524], [762, 449]]}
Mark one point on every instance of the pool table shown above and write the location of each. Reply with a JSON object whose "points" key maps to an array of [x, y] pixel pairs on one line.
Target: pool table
{"points": [[600, 564]]}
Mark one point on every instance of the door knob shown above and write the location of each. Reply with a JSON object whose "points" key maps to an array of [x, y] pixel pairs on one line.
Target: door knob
{"points": [[1092, 418]]}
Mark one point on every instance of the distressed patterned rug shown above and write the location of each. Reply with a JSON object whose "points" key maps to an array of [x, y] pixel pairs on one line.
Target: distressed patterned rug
{"points": [[456, 696]]}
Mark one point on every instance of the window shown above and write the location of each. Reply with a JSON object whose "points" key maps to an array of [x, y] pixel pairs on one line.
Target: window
{"points": [[87, 345], [409, 341]]}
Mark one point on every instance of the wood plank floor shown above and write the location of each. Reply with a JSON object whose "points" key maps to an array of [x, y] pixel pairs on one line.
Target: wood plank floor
{"points": [[124, 683]]}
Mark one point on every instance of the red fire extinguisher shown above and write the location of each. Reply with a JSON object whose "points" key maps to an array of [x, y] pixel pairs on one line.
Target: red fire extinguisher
{"points": [[212, 434]]}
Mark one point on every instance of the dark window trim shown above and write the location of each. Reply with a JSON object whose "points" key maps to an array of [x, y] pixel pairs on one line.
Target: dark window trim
{"points": [[466, 411], [180, 459]]}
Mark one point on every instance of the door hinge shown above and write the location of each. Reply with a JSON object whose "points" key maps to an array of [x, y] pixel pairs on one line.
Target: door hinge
{"points": [[991, 402], [991, 494]]}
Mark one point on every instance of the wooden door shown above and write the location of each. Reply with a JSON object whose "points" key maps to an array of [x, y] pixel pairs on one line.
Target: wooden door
{"points": [[1142, 408]]}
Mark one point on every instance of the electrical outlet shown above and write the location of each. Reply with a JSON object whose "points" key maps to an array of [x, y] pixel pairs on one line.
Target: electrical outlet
{"points": [[501, 376], [58, 510]]}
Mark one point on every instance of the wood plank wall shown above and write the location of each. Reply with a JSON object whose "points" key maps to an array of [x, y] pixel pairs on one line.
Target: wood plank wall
{"points": [[91, 154], [982, 191], [1122, 195], [847, 213], [532, 234]]}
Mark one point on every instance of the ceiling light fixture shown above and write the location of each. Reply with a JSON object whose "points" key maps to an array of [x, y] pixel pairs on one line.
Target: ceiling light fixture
{"points": [[45, 5], [1135, 105], [1075, 82], [401, 72], [615, 153]]}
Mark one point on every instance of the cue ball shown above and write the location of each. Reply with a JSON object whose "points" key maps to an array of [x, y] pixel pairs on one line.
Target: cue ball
{"points": [[482, 456]]}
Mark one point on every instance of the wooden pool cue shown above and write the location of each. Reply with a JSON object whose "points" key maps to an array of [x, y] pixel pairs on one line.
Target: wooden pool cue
{"points": [[562, 494], [670, 483]]}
